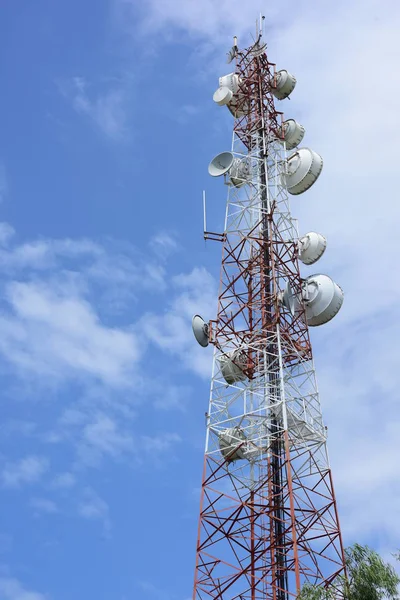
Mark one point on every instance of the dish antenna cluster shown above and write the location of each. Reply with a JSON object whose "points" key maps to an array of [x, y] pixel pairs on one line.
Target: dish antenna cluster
{"points": [[267, 484]]}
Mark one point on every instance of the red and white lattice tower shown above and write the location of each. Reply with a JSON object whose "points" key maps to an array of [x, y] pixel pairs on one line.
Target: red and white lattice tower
{"points": [[268, 518]]}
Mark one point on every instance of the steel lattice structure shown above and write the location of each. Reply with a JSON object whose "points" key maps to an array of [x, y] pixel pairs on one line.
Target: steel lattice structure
{"points": [[268, 518]]}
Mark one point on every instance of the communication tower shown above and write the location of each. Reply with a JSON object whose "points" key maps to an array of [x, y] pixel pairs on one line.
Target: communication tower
{"points": [[268, 517]]}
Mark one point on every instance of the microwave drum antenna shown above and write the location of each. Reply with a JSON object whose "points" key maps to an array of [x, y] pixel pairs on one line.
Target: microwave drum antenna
{"points": [[311, 247], [222, 96], [231, 443], [303, 169], [323, 299], [293, 133], [231, 81], [231, 365], [284, 85]]}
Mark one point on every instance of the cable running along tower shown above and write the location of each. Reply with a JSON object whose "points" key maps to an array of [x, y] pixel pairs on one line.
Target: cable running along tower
{"points": [[268, 518]]}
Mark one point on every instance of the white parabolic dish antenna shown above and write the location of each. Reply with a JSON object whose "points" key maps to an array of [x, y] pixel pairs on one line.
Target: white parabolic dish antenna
{"points": [[225, 162], [285, 84], [303, 169], [231, 365], [232, 443], [293, 133], [220, 164], [200, 330], [289, 300], [323, 299], [311, 247], [223, 96], [230, 81]]}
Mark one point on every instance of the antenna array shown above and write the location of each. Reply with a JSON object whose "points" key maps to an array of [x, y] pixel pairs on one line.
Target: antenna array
{"points": [[268, 518]]}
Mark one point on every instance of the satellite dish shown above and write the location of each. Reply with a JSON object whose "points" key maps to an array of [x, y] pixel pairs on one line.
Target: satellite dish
{"points": [[231, 443], [223, 96], [225, 162], [323, 299], [284, 86], [303, 169], [200, 330], [220, 164], [311, 247], [293, 133], [239, 172], [231, 81], [288, 299], [258, 48], [231, 365], [231, 54]]}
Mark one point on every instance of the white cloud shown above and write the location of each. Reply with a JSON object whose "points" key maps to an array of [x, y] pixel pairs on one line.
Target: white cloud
{"points": [[156, 445], [64, 480], [163, 244], [43, 505], [28, 470], [51, 331], [6, 233], [107, 110], [102, 437], [12, 589], [208, 19], [99, 436], [116, 270], [195, 293], [171, 397], [94, 508]]}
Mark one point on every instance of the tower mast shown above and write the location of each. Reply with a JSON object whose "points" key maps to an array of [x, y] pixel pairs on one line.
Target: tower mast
{"points": [[268, 519]]}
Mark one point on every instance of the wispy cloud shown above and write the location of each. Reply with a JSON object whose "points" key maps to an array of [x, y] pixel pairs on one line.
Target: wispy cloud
{"points": [[195, 292], [172, 397], [64, 481], [94, 508], [154, 445], [28, 470], [107, 110], [103, 437], [163, 244], [48, 286], [110, 436], [12, 589], [43, 505], [77, 342], [6, 233]]}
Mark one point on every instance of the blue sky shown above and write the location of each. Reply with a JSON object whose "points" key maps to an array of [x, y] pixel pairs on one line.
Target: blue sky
{"points": [[107, 126]]}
